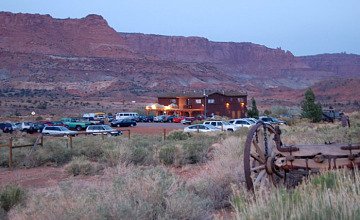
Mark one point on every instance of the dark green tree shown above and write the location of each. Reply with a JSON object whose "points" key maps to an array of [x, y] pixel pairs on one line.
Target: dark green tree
{"points": [[309, 108], [253, 112]]}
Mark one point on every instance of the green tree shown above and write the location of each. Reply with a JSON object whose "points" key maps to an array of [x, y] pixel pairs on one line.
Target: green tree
{"points": [[253, 112], [309, 108]]}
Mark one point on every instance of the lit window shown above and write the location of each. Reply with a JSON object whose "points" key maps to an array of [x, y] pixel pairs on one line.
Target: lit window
{"points": [[198, 101], [211, 101]]}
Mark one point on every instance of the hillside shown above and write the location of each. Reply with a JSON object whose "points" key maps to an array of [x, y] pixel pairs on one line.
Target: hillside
{"points": [[43, 59]]}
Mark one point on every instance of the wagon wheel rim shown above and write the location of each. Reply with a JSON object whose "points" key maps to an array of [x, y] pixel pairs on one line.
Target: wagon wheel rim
{"points": [[258, 166]]}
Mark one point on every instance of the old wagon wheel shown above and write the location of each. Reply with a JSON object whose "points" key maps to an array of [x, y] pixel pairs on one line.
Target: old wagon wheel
{"points": [[259, 156]]}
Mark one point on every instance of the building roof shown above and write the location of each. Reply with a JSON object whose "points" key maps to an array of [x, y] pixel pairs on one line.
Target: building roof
{"points": [[200, 94]]}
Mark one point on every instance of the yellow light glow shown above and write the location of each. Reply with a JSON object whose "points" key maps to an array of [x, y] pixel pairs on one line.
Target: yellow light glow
{"points": [[227, 105], [153, 106], [242, 104]]}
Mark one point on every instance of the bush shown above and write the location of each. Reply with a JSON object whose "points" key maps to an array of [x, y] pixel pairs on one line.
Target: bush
{"points": [[178, 136], [340, 201], [167, 155], [133, 193], [196, 149], [81, 166], [11, 196]]}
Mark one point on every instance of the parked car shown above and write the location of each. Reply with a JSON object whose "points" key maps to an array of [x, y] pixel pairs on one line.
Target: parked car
{"points": [[58, 131], [253, 120], [73, 123], [93, 121], [241, 122], [169, 118], [201, 128], [110, 118], [271, 120], [57, 123], [37, 127], [188, 120], [6, 127], [146, 118], [25, 126], [223, 125], [159, 118], [178, 119], [102, 129], [123, 123]]}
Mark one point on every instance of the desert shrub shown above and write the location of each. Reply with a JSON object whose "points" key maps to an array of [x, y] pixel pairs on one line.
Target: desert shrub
{"points": [[133, 193], [197, 148], [178, 136], [326, 180], [10, 196], [141, 151], [167, 154], [215, 182], [309, 201], [81, 166], [57, 155]]}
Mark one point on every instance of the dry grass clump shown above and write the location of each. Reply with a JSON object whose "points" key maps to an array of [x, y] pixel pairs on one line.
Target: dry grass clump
{"points": [[310, 133], [133, 193], [214, 182], [10, 196], [82, 166], [331, 195]]}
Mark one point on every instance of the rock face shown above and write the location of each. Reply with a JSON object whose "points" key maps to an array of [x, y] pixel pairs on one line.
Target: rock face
{"points": [[88, 59], [89, 36]]}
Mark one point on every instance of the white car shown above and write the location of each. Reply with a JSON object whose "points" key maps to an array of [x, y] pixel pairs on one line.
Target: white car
{"points": [[57, 131], [241, 122], [102, 129], [201, 128], [223, 125], [254, 120]]}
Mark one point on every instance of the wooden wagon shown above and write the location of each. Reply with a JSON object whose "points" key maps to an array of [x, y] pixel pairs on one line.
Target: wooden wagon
{"points": [[268, 161]]}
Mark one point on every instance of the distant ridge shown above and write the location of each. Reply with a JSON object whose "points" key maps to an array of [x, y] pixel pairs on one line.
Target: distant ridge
{"points": [[87, 58]]}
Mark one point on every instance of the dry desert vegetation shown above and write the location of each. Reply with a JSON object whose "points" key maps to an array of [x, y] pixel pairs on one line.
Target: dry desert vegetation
{"points": [[197, 176]]}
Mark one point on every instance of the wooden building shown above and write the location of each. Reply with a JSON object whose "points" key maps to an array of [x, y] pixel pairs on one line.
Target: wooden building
{"points": [[223, 103]]}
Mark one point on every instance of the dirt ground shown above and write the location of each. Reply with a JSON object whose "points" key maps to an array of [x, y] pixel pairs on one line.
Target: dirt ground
{"points": [[41, 177]]}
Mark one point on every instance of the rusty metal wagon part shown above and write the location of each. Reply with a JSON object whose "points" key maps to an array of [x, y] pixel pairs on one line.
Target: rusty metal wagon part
{"points": [[267, 161]]}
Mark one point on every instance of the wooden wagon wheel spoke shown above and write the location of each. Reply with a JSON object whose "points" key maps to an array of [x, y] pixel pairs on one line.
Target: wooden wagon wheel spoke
{"points": [[259, 177], [259, 169], [259, 151], [257, 158]]}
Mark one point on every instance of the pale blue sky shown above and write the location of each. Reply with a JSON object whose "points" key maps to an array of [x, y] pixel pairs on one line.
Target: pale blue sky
{"points": [[304, 27]]}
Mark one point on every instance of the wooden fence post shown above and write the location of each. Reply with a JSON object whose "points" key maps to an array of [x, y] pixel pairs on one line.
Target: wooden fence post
{"points": [[164, 134], [10, 152], [42, 141], [129, 133], [70, 141], [102, 136]]}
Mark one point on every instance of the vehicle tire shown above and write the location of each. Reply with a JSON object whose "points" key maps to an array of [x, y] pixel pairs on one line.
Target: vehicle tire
{"points": [[109, 135], [231, 130], [118, 125], [78, 128], [131, 125]]}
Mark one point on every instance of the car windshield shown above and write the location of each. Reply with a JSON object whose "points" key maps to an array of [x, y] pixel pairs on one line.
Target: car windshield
{"points": [[212, 127], [107, 127], [63, 129]]}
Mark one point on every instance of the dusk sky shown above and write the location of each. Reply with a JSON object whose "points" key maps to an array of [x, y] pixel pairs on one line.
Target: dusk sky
{"points": [[303, 27]]}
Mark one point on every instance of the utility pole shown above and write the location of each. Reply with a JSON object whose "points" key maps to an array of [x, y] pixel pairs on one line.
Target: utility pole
{"points": [[205, 102]]}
